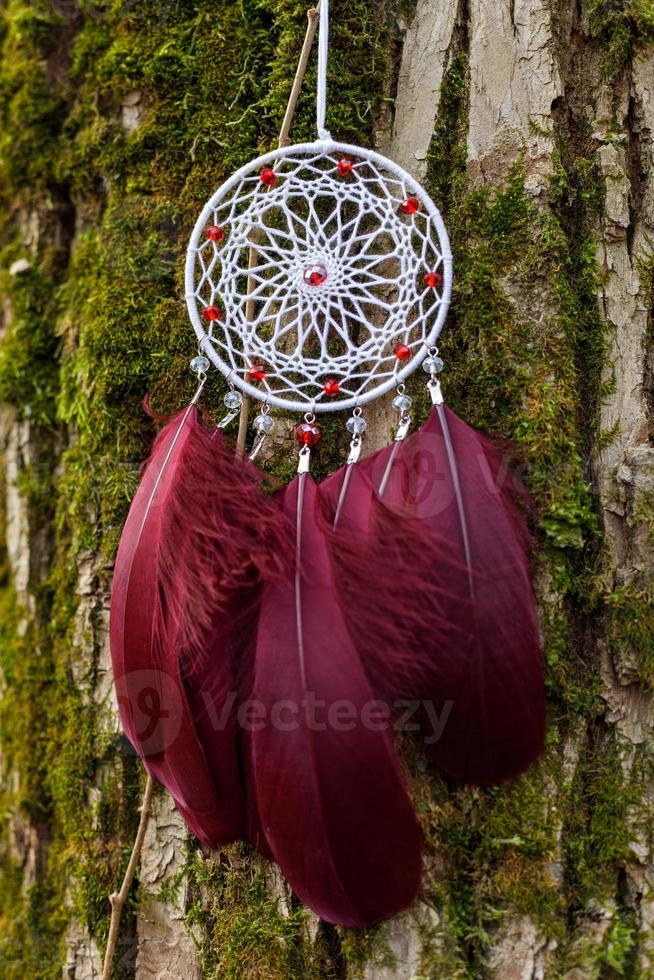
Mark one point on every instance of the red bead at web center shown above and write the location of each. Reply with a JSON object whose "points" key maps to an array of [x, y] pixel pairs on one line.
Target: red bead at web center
{"points": [[315, 275]]}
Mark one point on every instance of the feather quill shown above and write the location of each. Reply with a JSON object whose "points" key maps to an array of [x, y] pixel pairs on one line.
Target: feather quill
{"points": [[329, 787]]}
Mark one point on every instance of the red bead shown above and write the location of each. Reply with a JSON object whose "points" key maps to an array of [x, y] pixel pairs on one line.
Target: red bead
{"points": [[308, 434], [434, 280], [410, 206], [315, 275], [212, 313], [257, 372], [268, 177], [215, 233], [331, 387], [345, 167], [402, 352]]}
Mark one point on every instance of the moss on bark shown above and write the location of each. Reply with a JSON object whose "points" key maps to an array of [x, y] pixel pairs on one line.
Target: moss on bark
{"points": [[87, 332]]}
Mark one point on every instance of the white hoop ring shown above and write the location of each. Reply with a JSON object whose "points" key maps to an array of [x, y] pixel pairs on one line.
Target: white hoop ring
{"points": [[322, 147]]}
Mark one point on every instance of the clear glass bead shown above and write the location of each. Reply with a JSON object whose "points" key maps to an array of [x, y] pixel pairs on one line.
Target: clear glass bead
{"points": [[402, 402], [232, 400], [264, 424], [432, 365], [356, 425], [199, 364]]}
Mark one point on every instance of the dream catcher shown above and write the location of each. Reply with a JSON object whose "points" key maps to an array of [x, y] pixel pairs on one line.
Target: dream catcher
{"points": [[267, 647]]}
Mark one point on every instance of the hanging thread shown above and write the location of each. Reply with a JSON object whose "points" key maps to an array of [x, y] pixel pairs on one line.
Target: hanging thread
{"points": [[323, 51]]}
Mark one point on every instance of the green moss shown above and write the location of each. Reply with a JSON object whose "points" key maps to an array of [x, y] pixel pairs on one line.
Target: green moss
{"points": [[32, 100], [646, 271], [531, 378], [91, 332], [631, 624], [622, 27], [495, 850], [366, 949], [31, 926], [499, 371], [616, 950], [29, 350], [249, 934], [597, 832], [32, 919]]}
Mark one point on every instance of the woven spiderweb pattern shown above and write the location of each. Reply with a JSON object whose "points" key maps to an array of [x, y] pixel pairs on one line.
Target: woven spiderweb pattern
{"points": [[319, 276]]}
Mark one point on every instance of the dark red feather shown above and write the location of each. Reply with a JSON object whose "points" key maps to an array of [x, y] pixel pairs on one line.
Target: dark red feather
{"points": [[199, 533], [144, 629], [329, 787], [450, 618]]}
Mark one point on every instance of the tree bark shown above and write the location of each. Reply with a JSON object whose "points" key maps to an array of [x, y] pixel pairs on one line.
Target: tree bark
{"points": [[532, 125]]}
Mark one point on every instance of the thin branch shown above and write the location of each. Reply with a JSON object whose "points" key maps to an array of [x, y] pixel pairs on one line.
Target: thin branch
{"points": [[312, 26], [118, 899]]}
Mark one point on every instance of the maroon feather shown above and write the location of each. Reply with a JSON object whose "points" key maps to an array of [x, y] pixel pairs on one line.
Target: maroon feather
{"points": [[330, 791], [143, 632], [450, 621], [217, 695], [199, 533]]}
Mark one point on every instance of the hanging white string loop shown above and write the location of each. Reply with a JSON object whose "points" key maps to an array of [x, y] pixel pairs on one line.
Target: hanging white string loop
{"points": [[323, 52]]}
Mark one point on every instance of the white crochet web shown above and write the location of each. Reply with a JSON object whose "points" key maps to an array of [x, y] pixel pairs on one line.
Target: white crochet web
{"points": [[318, 276]]}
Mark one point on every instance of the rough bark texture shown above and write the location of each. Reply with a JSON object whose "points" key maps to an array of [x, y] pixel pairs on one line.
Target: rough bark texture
{"points": [[532, 124]]}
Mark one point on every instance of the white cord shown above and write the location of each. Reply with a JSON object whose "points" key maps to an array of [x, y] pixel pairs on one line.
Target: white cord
{"points": [[323, 50]]}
